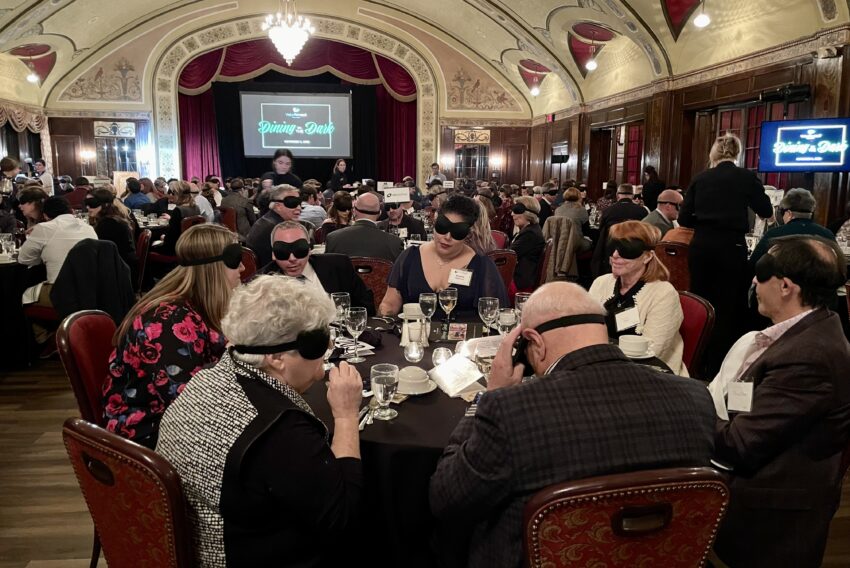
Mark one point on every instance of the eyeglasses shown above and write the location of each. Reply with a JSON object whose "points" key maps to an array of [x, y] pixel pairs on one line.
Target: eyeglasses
{"points": [[676, 205]]}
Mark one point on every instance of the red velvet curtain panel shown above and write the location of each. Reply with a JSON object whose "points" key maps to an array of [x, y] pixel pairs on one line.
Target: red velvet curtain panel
{"points": [[198, 138], [396, 137]]}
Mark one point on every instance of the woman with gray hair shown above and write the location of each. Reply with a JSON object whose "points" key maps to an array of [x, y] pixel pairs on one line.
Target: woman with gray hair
{"points": [[529, 243], [263, 484]]}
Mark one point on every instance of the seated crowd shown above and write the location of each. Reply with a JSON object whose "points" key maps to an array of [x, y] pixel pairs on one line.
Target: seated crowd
{"points": [[562, 402]]}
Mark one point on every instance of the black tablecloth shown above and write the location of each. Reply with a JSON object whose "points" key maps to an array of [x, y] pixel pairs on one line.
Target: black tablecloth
{"points": [[399, 457], [15, 334]]}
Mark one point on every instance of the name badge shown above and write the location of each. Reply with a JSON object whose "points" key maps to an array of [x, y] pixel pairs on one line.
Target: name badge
{"points": [[460, 276], [740, 397], [402, 233], [627, 319]]}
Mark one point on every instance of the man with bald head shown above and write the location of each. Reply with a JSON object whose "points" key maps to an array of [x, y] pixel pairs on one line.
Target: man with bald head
{"points": [[588, 411], [364, 237], [669, 202]]}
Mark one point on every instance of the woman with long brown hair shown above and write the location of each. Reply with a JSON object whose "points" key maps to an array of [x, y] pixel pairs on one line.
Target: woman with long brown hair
{"points": [[339, 213], [171, 333], [111, 224]]}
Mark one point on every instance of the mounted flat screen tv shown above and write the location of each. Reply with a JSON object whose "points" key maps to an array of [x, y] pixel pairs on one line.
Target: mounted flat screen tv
{"points": [[819, 145]]}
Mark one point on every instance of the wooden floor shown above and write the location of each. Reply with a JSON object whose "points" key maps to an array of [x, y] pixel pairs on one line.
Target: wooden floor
{"points": [[44, 522]]}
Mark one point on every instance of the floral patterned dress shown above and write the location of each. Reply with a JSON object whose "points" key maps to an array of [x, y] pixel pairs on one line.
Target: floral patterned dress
{"points": [[163, 349]]}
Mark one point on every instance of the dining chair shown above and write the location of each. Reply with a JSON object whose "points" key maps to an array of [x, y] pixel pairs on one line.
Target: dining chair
{"points": [[249, 260], [134, 497], [675, 257], [374, 273], [143, 247], [191, 222], [228, 218], [505, 261], [500, 238], [545, 259], [695, 329], [319, 235], [662, 517]]}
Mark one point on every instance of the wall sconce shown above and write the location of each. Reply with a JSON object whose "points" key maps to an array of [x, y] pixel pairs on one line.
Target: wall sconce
{"points": [[87, 156], [496, 162]]}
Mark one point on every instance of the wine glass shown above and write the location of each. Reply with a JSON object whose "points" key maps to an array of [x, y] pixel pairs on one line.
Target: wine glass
{"points": [[428, 305], [384, 378], [414, 351], [507, 320], [441, 355], [448, 301], [342, 301], [415, 237], [519, 301], [355, 323], [332, 345], [488, 311]]}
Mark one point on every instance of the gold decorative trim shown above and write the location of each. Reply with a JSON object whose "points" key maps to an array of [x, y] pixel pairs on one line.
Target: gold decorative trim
{"points": [[492, 122]]}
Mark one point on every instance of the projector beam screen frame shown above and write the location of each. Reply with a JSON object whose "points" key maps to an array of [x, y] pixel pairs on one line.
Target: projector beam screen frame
{"points": [[310, 125]]}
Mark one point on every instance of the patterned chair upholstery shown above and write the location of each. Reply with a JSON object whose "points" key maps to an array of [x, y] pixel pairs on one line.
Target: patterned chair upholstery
{"points": [[695, 330], [133, 495], [675, 258], [500, 238], [505, 261], [665, 517], [374, 273], [143, 247], [544, 263], [249, 260]]}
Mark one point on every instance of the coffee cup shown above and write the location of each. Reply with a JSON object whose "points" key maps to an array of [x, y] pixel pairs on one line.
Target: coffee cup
{"points": [[634, 345]]}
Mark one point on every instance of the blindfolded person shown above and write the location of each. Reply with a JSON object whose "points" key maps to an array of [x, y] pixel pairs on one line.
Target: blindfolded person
{"points": [[283, 494], [528, 244], [637, 294], [284, 205], [171, 332]]}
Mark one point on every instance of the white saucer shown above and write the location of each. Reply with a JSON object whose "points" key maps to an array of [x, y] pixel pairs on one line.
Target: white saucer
{"points": [[429, 388], [648, 355]]}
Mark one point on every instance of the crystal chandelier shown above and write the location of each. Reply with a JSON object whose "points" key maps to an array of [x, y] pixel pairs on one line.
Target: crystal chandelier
{"points": [[287, 30]]}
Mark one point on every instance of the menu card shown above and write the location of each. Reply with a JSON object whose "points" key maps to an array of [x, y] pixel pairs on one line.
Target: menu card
{"points": [[456, 375]]}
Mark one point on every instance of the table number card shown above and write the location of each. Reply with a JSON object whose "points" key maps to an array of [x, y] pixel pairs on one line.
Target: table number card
{"points": [[384, 185], [528, 183], [396, 195], [448, 184], [457, 332]]}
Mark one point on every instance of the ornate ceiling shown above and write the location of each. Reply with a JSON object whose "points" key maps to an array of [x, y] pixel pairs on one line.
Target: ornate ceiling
{"points": [[101, 54]]}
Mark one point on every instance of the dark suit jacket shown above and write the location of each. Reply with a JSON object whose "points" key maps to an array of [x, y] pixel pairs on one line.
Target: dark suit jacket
{"points": [[786, 451], [259, 238], [364, 238], [528, 245], [596, 414], [623, 210], [413, 226], [546, 211], [337, 274]]}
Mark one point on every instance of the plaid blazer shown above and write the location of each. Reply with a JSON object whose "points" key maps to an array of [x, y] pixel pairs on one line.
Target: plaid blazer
{"points": [[597, 413]]}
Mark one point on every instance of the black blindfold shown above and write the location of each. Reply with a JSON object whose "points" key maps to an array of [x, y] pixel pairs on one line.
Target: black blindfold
{"points": [[290, 202], [300, 249], [459, 231], [92, 202], [391, 206], [629, 249], [231, 256], [342, 207], [310, 345], [519, 209]]}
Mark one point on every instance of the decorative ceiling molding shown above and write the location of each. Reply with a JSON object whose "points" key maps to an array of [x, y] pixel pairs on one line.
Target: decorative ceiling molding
{"points": [[498, 122], [132, 115]]}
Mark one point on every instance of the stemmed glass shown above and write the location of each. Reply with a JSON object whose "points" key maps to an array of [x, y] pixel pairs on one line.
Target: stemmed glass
{"points": [[488, 311], [384, 378], [519, 301], [332, 345], [428, 305], [342, 301], [507, 320], [441, 355], [355, 323], [448, 301], [414, 351]]}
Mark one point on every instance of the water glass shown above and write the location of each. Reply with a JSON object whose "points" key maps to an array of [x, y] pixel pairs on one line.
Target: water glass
{"points": [[488, 311], [448, 301], [7, 243], [342, 301], [331, 346], [428, 305], [355, 323], [519, 301], [507, 320], [384, 377], [441, 355]]}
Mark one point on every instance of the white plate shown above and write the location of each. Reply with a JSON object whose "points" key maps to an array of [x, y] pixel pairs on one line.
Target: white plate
{"points": [[430, 388], [8, 261], [648, 355]]}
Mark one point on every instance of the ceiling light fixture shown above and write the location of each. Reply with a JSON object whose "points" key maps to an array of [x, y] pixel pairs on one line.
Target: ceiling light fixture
{"points": [[535, 88], [591, 64], [288, 31], [702, 20], [32, 77]]}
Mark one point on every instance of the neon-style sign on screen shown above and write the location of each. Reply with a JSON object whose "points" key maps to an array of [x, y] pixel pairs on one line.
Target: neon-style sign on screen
{"points": [[805, 146]]}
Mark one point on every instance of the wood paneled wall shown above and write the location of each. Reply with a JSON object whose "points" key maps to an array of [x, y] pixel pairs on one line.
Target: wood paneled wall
{"points": [[510, 143], [70, 136]]}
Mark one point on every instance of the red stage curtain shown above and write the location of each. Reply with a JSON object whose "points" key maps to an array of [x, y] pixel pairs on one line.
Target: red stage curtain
{"points": [[198, 138], [396, 77], [201, 70], [396, 137]]}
